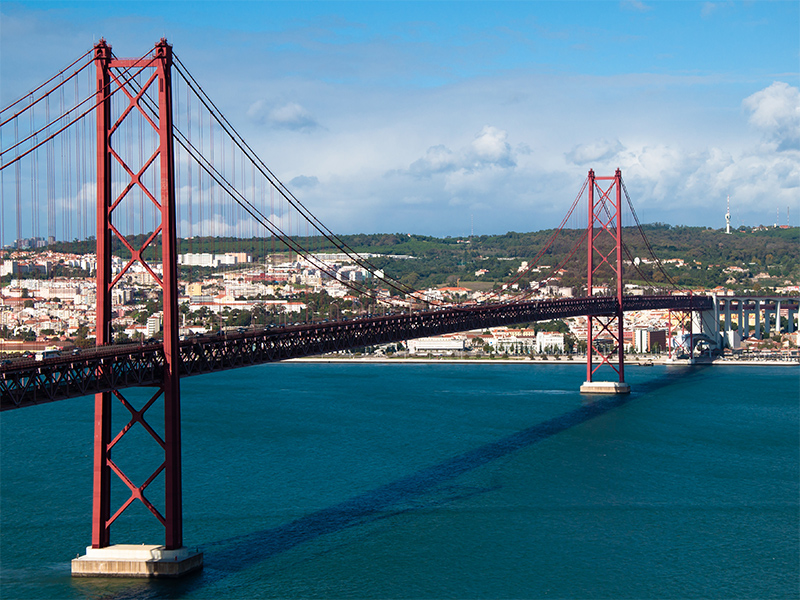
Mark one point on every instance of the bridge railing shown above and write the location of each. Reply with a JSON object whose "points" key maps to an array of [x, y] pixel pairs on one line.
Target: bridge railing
{"points": [[102, 369]]}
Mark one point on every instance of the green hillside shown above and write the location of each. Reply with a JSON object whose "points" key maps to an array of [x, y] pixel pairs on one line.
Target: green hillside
{"points": [[438, 261]]}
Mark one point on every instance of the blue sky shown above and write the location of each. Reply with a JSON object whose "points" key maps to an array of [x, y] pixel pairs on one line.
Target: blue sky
{"points": [[431, 117]]}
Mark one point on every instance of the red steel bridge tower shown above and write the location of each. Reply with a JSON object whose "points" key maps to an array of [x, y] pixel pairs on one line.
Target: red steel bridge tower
{"points": [[122, 77], [605, 252]]}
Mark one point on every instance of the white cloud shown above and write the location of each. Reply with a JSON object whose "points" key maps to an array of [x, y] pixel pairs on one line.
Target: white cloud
{"points": [[437, 159], [599, 150], [690, 187], [290, 115], [303, 181], [523, 171], [489, 149], [776, 112]]}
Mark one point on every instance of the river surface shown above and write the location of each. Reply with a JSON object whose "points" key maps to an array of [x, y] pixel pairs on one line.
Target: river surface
{"points": [[433, 481]]}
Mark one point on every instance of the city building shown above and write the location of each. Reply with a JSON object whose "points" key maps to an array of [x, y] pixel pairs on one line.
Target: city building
{"points": [[436, 345], [649, 339], [549, 342]]}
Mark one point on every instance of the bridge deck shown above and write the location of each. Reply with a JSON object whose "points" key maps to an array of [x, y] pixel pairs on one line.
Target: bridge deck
{"points": [[102, 369]]}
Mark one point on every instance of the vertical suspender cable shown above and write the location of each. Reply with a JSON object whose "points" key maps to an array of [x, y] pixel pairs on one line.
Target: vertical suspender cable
{"points": [[80, 143], [234, 211], [244, 223], [289, 228], [35, 188], [78, 178], [263, 209], [2, 198], [51, 185], [91, 199], [18, 178], [212, 187], [200, 207], [272, 217], [139, 140], [189, 180], [129, 230], [63, 171], [178, 176]]}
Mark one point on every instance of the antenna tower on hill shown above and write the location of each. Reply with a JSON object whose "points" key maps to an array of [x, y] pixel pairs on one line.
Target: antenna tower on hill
{"points": [[728, 217]]}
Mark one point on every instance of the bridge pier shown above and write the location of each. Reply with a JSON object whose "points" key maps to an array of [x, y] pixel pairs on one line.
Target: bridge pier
{"points": [[130, 560], [757, 333], [727, 316], [747, 308], [605, 387], [744, 323]]}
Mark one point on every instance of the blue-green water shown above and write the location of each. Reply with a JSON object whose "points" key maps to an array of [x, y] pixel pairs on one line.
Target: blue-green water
{"points": [[434, 481]]}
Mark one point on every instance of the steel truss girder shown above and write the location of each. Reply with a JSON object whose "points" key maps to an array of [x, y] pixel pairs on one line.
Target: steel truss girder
{"points": [[28, 383]]}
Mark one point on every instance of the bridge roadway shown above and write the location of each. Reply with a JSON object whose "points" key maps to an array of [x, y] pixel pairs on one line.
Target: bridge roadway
{"points": [[108, 368]]}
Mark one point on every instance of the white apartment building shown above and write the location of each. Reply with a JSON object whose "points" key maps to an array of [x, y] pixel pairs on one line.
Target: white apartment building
{"points": [[206, 259], [436, 345], [548, 341], [154, 324]]}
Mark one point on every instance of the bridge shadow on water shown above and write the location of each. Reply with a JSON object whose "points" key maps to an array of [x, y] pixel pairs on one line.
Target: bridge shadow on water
{"points": [[229, 556]]}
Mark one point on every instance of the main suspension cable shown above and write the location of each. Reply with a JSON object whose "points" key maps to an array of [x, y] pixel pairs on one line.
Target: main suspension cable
{"points": [[277, 184], [647, 242], [33, 135], [32, 92], [254, 212]]}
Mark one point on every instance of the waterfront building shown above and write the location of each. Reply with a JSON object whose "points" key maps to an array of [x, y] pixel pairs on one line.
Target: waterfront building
{"points": [[436, 345], [548, 341], [648, 339]]}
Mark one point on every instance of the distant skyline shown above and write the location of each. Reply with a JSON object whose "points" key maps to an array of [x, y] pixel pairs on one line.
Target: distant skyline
{"points": [[440, 117]]}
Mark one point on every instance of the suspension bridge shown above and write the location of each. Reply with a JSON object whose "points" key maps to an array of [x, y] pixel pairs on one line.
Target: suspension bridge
{"points": [[132, 158]]}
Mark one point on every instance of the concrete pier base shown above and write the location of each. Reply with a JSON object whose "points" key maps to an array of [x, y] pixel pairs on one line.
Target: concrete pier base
{"points": [[605, 387], [130, 560]]}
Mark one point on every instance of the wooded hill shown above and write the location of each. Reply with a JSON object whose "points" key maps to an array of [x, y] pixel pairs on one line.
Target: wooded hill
{"points": [[706, 253], [438, 261]]}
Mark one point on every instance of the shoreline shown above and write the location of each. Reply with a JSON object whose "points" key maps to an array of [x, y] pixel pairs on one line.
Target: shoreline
{"points": [[551, 361]]}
